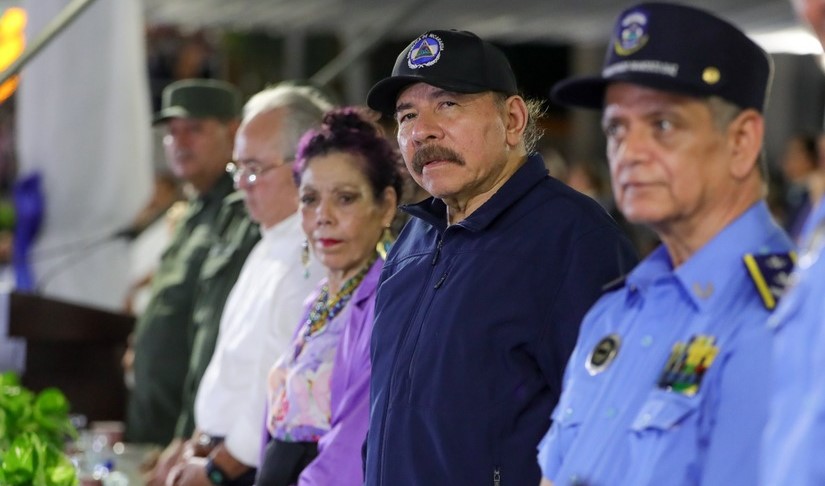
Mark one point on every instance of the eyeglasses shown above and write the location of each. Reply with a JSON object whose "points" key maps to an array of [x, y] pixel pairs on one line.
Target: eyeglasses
{"points": [[248, 174]]}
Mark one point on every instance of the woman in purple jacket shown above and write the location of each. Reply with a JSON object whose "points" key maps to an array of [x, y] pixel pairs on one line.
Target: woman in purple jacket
{"points": [[350, 184]]}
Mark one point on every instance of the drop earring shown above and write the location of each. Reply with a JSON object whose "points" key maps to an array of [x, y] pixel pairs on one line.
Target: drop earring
{"points": [[385, 243], [305, 257]]}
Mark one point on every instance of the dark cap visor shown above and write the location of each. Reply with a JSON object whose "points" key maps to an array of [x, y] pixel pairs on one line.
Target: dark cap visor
{"points": [[589, 92], [171, 112], [384, 95]]}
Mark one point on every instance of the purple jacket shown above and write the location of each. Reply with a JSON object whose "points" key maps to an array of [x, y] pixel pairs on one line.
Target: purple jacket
{"points": [[339, 450]]}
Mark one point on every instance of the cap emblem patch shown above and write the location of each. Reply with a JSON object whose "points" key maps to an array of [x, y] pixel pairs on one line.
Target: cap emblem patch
{"points": [[425, 51], [632, 35]]}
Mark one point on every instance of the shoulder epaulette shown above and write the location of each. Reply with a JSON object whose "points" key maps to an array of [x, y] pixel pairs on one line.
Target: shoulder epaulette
{"points": [[770, 274]]}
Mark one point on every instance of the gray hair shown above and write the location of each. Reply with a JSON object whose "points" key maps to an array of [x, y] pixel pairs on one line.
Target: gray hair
{"points": [[723, 113], [305, 107], [535, 110]]}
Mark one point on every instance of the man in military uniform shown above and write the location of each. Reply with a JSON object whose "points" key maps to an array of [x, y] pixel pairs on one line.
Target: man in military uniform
{"points": [[200, 117], [225, 390], [666, 384]]}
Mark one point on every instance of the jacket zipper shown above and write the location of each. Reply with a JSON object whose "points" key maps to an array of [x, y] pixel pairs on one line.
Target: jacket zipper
{"points": [[497, 476], [438, 249], [382, 434], [436, 286]]}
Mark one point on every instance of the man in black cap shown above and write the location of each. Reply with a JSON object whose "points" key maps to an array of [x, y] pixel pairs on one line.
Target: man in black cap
{"points": [[200, 117], [667, 383], [482, 294]]}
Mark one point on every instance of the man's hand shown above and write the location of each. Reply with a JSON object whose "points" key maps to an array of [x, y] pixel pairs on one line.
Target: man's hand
{"points": [[171, 455], [191, 472]]}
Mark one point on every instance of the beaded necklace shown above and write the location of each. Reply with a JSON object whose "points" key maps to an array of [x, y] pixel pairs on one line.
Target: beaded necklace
{"points": [[325, 309]]}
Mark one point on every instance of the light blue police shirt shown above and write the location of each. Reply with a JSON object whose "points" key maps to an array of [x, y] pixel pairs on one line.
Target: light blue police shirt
{"points": [[625, 421], [793, 443]]}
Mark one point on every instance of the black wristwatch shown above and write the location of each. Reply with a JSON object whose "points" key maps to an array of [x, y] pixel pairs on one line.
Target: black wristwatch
{"points": [[218, 476], [214, 473]]}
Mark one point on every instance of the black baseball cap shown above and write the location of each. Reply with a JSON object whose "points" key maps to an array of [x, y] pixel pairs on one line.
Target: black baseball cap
{"points": [[199, 98], [454, 60], [676, 48]]}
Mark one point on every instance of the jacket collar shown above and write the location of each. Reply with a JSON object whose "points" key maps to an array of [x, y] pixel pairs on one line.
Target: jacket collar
{"points": [[434, 211], [369, 284], [716, 268]]}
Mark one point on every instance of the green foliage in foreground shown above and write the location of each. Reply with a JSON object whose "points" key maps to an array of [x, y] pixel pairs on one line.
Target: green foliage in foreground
{"points": [[33, 429]]}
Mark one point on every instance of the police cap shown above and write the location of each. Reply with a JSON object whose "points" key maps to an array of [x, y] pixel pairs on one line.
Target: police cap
{"points": [[676, 48]]}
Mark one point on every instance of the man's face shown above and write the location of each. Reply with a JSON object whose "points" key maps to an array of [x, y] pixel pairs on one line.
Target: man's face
{"points": [[453, 144], [272, 196], [669, 163], [812, 12], [198, 149]]}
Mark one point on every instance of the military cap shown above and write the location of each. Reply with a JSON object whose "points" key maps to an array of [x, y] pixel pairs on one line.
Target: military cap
{"points": [[453, 60], [199, 98], [676, 48]]}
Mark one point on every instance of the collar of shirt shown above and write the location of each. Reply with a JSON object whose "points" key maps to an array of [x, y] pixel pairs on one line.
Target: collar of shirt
{"points": [[221, 189], [286, 227], [707, 275], [434, 211]]}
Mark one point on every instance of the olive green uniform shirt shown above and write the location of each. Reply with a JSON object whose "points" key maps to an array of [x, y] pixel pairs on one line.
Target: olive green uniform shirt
{"points": [[165, 331], [218, 276]]}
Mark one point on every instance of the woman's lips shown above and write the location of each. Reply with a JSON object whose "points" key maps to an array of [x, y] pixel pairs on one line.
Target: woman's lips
{"points": [[327, 242]]}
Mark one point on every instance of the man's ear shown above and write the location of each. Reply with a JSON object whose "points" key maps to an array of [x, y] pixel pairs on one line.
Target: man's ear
{"points": [[745, 136], [516, 112]]}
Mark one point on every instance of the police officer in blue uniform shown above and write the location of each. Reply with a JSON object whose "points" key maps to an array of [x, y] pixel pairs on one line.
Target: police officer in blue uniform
{"points": [[667, 383], [792, 451]]}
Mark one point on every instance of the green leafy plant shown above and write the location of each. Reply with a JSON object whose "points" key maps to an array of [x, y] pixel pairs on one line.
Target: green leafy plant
{"points": [[33, 429]]}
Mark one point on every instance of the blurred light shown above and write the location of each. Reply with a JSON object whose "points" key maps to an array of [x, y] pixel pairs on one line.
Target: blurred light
{"points": [[792, 40], [12, 43]]}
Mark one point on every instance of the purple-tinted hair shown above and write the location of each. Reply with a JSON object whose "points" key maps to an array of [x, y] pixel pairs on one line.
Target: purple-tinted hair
{"points": [[349, 130]]}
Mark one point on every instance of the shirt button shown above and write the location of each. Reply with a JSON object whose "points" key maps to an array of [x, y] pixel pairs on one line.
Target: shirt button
{"points": [[647, 341], [568, 411], [610, 412], [646, 419]]}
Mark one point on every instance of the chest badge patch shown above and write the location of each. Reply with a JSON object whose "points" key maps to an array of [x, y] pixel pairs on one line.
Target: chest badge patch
{"points": [[687, 365], [603, 354]]}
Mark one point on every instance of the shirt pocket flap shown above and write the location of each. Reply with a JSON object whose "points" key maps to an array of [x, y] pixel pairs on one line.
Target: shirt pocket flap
{"points": [[664, 410]]}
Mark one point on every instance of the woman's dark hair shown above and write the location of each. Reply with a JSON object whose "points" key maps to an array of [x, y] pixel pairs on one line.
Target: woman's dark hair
{"points": [[349, 130]]}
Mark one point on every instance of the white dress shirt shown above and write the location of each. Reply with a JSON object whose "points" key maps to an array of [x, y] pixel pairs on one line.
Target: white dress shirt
{"points": [[261, 313]]}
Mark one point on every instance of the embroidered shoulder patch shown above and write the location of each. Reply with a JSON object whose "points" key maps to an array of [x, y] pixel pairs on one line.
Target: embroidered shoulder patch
{"points": [[770, 274]]}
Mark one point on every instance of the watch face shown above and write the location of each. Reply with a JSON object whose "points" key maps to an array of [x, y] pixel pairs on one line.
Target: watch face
{"points": [[216, 476]]}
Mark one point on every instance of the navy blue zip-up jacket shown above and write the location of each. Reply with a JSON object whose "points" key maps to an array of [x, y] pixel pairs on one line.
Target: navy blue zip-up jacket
{"points": [[474, 325]]}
